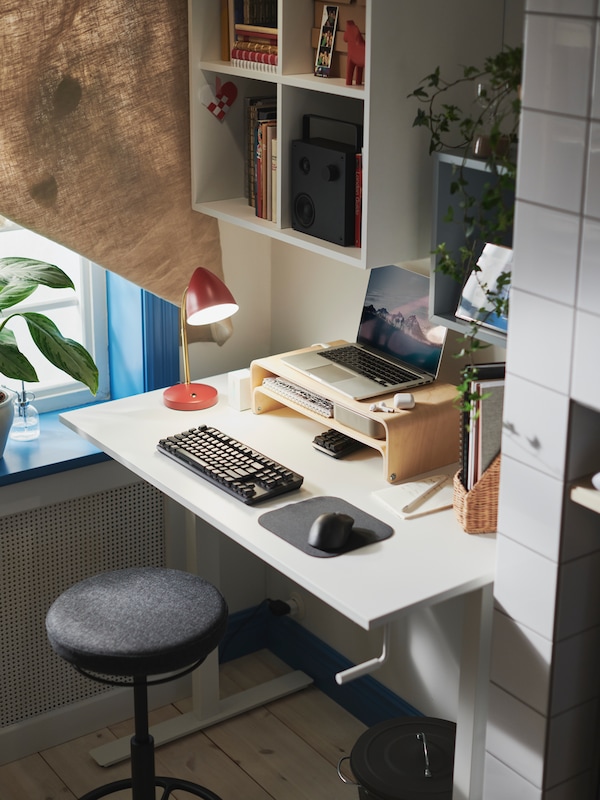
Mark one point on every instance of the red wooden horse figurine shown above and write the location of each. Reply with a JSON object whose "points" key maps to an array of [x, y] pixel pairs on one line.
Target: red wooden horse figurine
{"points": [[356, 53]]}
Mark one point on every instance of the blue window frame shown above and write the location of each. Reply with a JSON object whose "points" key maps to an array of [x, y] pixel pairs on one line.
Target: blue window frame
{"points": [[143, 337]]}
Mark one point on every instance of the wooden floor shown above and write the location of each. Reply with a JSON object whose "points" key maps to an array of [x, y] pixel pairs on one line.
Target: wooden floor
{"points": [[286, 750]]}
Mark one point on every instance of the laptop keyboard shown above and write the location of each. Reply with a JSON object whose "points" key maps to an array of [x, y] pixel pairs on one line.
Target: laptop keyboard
{"points": [[368, 365]]}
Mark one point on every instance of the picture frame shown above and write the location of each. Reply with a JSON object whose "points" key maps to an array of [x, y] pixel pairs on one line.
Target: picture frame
{"points": [[329, 21]]}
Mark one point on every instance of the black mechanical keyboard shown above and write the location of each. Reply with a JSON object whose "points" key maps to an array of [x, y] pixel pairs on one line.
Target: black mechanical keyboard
{"points": [[368, 365], [230, 465]]}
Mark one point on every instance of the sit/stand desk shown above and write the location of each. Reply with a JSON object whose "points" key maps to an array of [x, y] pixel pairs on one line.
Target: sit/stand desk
{"points": [[426, 561]]}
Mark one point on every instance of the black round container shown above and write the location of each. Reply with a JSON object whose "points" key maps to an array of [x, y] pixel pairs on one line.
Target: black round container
{"points": [[408, 758]]}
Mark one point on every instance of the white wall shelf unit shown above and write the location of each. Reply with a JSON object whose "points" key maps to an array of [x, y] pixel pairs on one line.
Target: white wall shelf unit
{"points": [[404, 42]]}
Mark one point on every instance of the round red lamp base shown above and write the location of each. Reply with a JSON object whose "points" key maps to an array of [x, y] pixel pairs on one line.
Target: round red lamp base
{"points": [[190, 396]]}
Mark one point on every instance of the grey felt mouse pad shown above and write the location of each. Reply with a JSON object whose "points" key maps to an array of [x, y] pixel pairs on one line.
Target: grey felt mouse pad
{"points": [[292, 523]]}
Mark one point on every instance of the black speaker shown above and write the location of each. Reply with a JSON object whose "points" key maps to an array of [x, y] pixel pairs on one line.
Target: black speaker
{"points": [[323, 186]]}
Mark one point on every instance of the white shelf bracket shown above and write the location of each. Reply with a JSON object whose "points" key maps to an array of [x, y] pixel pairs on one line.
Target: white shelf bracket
{"points": [[366, 667]]}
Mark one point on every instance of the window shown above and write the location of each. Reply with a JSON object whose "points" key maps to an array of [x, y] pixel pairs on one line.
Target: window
{"points": [[79, 315]]}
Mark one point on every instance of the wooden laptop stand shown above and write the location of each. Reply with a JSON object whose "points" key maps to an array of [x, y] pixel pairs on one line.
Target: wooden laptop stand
{"points": [[410, 441]]}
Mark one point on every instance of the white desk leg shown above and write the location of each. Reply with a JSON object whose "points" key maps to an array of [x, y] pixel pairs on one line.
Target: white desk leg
{"points": [[202, 556], [473, 695]]}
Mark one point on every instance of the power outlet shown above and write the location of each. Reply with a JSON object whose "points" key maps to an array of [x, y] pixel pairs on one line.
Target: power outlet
{"points": [[296, 604]]}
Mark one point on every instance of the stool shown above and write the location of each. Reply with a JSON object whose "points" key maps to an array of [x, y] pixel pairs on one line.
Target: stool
{"points": [[132, 624]]}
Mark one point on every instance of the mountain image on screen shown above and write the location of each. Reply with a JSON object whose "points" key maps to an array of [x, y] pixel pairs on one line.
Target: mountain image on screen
{"points": [[398, 335]]}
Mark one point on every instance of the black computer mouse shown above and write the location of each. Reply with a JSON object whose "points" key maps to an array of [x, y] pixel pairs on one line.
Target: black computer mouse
{"points": [[330, 531]]}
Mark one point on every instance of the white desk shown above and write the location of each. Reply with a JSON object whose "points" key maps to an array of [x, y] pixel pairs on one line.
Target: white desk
{"points": [[426, 561]]}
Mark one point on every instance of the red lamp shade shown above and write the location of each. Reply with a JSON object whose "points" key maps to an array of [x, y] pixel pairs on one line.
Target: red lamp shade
{"points": [[206, 300]]}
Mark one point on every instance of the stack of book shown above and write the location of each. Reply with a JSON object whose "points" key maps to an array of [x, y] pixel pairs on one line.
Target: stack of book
{"points": [[481, 426], [254, 35], [261, 156]]}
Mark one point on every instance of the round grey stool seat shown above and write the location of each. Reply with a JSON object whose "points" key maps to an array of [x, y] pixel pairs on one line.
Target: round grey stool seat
{"points": [[132, 624], [139, 621]]}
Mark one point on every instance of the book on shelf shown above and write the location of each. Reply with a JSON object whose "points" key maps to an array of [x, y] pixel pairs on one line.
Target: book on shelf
{"points": [[256, 12], [251, 39], [254, 29], [225, 46], [255, 53], [271, 132], [257, 109], [252, 59], [256, 32], [358, 201], [266, 114], [274, 179], [258, 170], [255, 66], [261, 166], [259, 47]]}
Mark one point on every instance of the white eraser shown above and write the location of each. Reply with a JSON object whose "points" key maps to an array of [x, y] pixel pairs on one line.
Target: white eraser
{"points": [[596, 480], [238, 389]]}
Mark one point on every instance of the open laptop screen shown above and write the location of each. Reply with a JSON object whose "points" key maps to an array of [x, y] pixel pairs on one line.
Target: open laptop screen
{"points": [[395, 318]]}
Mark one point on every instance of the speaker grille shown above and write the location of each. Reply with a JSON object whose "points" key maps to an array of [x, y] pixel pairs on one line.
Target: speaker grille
{"points": [[43, 552], [304, 210]]}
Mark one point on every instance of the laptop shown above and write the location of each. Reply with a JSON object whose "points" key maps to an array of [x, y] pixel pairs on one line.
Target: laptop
{"points": [[397, 348]]}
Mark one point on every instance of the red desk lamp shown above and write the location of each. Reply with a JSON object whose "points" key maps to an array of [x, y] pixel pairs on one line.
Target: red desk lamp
{"points": [[206, 300]]}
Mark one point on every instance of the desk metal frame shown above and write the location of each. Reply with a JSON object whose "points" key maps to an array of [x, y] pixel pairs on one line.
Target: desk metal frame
{"points": [[426, 561]]}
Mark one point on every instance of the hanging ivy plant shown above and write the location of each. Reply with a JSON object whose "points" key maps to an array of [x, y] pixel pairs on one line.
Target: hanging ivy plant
{"points": [[486, 129]]}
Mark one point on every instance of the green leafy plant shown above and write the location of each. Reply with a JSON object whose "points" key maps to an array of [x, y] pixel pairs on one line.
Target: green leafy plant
{"points": [[19, 278], [487, 128]]}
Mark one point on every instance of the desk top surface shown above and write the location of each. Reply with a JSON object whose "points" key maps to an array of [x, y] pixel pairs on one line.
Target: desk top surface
{"points": [[427, 560]]}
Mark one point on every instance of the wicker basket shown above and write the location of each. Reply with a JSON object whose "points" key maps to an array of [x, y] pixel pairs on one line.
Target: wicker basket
{"points": [[477, 509]]}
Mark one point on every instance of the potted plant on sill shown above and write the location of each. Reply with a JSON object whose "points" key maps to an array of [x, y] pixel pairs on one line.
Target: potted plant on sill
{"points": [[19, 278], [487, 129]]}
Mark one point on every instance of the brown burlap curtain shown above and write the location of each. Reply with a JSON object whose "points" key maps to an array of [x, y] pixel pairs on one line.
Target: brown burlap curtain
{"points": [[94, 136]]}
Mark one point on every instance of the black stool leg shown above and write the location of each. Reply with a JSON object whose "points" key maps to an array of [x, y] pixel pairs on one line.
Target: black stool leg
{"points": [[143, 781], [142, 746]]}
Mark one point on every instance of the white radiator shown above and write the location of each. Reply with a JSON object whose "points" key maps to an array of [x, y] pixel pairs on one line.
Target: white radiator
{"points": [[42, 552]]}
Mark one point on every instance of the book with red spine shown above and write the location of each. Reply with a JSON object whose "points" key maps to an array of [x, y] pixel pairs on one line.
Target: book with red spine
{"points": [[253, 56]]}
